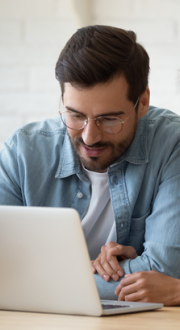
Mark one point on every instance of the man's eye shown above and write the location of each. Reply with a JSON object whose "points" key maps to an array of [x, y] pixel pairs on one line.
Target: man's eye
{"points": [[109, 119], [76, 115]]}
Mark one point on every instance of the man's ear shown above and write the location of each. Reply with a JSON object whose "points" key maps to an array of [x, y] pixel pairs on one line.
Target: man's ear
{"points": [[144, 103]]}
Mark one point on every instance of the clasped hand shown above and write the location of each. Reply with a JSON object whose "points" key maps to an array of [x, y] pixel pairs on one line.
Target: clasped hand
{"points": [[107, 263]]}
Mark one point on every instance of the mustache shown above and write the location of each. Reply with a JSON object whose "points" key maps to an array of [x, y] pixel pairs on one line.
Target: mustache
{"points": [[97, 145]]}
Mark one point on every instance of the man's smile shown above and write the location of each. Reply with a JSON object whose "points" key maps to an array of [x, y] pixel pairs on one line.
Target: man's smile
{"points": [[92, 152]]}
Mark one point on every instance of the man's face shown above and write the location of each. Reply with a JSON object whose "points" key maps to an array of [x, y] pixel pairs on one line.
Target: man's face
{"points": [[98, 150]]}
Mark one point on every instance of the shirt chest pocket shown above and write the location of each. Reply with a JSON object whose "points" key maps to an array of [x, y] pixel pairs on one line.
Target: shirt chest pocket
{"points": [[137, 232]]}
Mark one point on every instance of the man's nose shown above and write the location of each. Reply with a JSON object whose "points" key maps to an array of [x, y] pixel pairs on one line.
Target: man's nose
{"points": [[91, 133]]}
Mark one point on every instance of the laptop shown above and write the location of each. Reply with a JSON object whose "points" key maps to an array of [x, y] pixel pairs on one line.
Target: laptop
{"points": [[45, 265]]}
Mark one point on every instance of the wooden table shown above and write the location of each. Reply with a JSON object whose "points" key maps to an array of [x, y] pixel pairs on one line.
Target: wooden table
{"points": [[167, 318]]}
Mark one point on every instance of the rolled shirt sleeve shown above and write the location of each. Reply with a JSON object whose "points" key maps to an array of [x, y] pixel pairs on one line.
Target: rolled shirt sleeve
{"points": [[162, 226]]}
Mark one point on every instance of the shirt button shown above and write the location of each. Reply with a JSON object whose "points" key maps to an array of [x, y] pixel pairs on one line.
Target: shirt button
{"points": [[79, 195], [122, 225]]}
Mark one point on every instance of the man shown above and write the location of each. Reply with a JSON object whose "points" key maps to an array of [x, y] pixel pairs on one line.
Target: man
{"points": [[110, 156]]}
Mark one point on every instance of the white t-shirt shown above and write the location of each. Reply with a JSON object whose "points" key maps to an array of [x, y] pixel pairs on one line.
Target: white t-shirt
{"points": [[98, 223]]}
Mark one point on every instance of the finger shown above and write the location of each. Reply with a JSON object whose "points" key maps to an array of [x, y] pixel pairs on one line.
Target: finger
{"points": [[116, 250], [112, 268], [136, 296], [129, 292], [114, 264], [101, 270], [99, 264], [133, 276], [121, 297], [110, 263], [127, 281], [120, 289], [126, 252], [93, 268], [105, 270], [129, 289]]}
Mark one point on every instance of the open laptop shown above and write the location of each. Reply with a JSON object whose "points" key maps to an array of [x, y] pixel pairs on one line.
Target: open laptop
{"points": [[45, 265]]}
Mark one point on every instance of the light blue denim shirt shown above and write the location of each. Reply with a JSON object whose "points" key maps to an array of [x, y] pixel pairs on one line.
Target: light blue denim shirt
{"points": [[38, 167]]}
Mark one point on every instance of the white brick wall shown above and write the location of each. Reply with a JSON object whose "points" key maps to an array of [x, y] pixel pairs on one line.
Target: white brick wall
{"points": [[48, 32], [138, 9], [23, 9], [157, 24], [33, 32], [13, 79], [10, 31]]}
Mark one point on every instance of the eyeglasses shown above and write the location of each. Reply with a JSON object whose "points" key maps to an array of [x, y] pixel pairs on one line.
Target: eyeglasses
{"points": [[107, 124]]}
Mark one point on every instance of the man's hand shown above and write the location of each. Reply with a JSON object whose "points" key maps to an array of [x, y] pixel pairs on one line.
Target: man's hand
{"points": [[107, 264], [149, 286]]}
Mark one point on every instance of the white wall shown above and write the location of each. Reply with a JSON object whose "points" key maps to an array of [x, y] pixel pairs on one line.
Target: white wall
{"points": [[157, 24], [33, 32]]}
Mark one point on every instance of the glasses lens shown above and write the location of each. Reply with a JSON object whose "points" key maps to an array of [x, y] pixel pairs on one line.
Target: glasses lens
{"points": [[110, 124], [77, 121], [74, 120]]}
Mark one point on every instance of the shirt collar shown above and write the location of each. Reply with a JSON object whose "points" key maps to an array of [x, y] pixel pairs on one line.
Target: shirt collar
{"points": [[136, 154], [69, 163]]}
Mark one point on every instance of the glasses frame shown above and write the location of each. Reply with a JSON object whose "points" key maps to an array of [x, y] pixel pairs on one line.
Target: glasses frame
{"points": [[96, 119]]}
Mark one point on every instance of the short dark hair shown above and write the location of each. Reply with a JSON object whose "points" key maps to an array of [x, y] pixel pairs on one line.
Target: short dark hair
{"points": [[96, 54]]}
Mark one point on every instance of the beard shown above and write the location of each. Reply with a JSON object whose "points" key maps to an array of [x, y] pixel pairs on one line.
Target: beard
{"points": [[96, 164]]}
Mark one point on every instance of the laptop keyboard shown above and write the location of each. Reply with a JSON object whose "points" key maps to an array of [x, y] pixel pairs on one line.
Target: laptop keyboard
{"points": [[104, 306]]}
